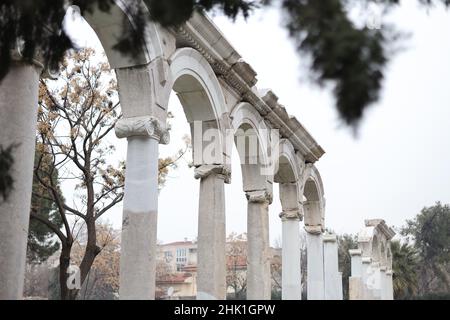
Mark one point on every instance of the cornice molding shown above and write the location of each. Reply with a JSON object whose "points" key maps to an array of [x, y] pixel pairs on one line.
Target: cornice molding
{"points": [[381, 225]]}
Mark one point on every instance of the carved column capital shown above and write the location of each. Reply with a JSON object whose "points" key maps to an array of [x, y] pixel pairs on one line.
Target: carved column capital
{"points": [[329, 238], [317, 229], [291, 215], [259, 196], [222, 171], [355, 252], [366, 260], [146, 126]]}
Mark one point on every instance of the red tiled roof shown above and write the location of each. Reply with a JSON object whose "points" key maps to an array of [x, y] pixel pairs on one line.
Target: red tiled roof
{"points": [[189, 268], [178, 243], [236, 261], [174, 278]]}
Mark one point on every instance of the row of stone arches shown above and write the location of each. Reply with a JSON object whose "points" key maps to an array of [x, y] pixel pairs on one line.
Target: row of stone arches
{"points": [[217, 91], [372, 263]]}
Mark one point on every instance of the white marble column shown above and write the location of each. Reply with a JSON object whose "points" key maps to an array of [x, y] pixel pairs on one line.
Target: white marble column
{"points": [[374, 281], [366, 278], [356, 286], [383, 283], [340, 287], [331, 268], [18, 118], [315, 263], [140, 207], [259, 280], [291, 256], [389, 285], [211, 266], [356, 262]]}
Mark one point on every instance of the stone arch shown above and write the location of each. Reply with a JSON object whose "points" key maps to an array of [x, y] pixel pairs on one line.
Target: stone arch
{"points": [[250, 135], [375, 248], [313, 207], [287, 170], [288, 176], [143, 77], [187, 64], [374, 241], [251, 139], [197, 87], [366, 240], [374, 245], [109, 25], [201, 96], [314, 201]]}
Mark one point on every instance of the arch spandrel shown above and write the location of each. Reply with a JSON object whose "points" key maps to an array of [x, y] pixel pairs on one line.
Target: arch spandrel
{"points": [[143, 77], [109, 26]]}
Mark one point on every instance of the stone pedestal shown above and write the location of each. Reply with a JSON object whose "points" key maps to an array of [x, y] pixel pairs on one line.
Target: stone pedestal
{"points": [[315, 263], [356, 285], [366, 273], [211, 267], [383, 283], [371, 272], [258, 256], [389, 286], [291, 256], [18, 118], [356, 288], [332, 277], [140, 206], [340, 295]]}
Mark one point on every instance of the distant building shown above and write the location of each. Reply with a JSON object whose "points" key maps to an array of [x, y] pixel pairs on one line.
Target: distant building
{"points": [[176, 270], [176, 274], [178, 255]]}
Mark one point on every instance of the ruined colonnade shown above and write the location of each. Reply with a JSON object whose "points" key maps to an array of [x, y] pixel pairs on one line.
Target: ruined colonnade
{"points": [[222, 104]]}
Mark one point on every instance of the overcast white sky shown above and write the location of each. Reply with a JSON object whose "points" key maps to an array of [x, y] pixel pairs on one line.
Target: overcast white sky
{"points": [[399, 163]]}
